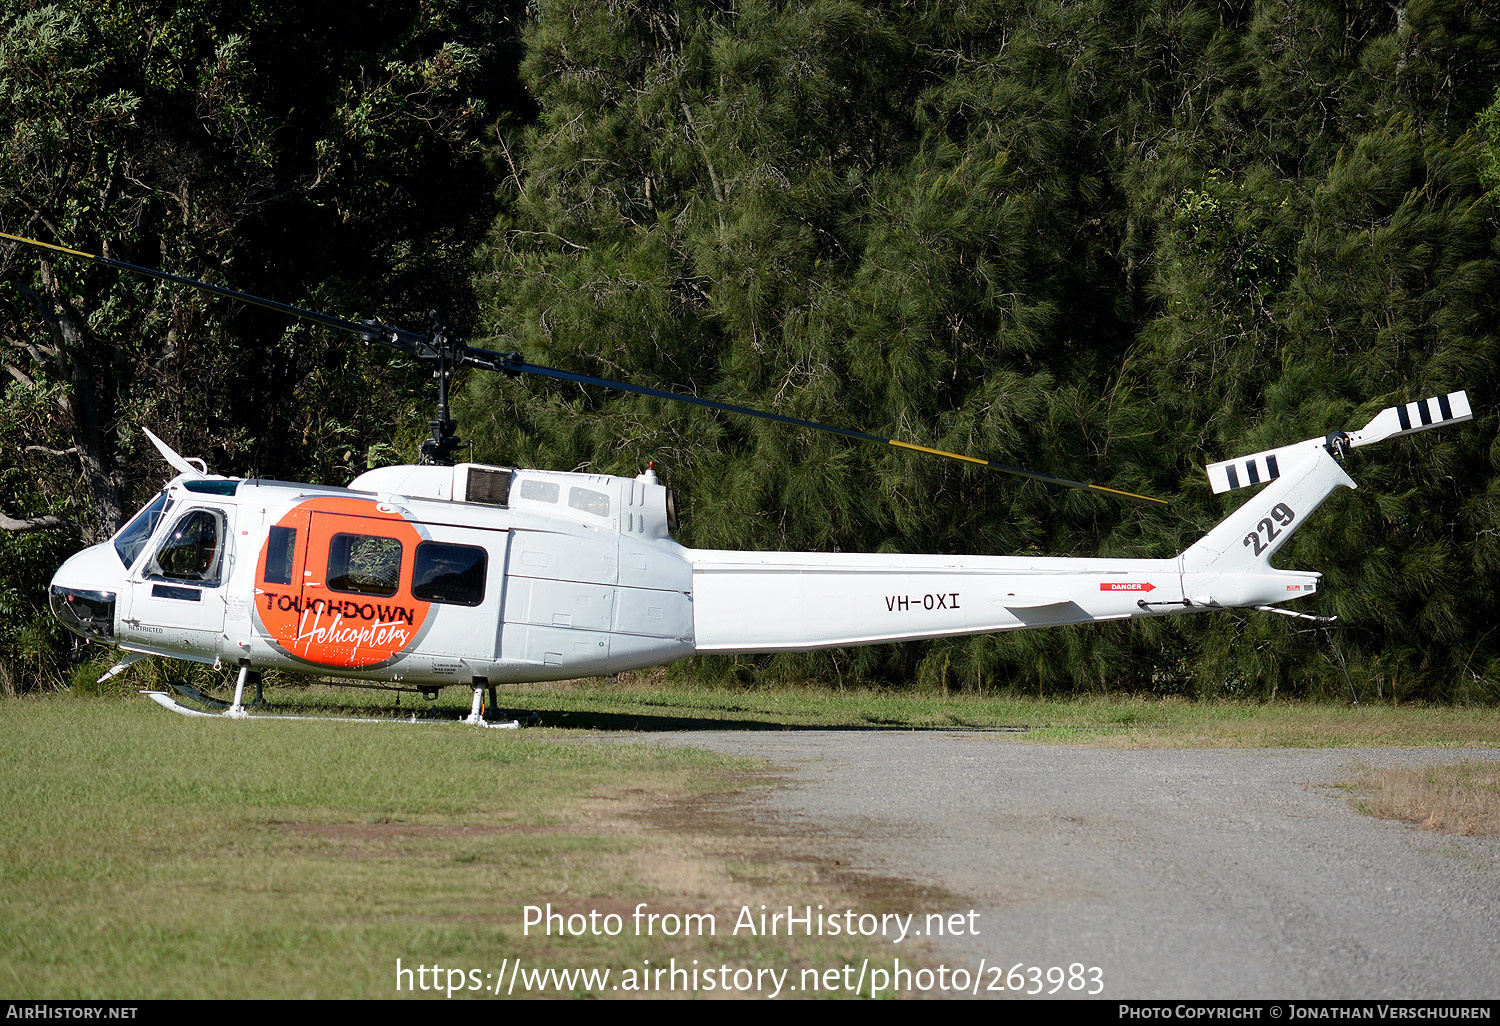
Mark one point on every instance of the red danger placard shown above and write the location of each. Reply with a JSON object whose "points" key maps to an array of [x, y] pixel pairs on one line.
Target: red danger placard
{"points": [[1127, 586]]}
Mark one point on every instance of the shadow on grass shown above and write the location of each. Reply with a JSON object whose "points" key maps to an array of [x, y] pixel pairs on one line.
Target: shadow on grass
{"points": [[647, 723], [561, 719]]}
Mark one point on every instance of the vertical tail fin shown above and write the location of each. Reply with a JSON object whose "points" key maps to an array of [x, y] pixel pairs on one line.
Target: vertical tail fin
{"points": [[1246, 539]]}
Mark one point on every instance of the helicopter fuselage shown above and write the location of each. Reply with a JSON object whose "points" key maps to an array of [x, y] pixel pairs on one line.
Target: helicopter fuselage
{"points": [[473, 575], [477, 575]]}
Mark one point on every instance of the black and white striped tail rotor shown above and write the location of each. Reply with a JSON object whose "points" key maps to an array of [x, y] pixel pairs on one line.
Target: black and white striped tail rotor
{"points": [[1261, 467], [1438, 411]]}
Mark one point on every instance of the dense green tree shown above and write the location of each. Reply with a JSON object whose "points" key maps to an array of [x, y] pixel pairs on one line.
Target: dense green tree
{"points": [[322, 154], [1107, 240], [1306, 286]]}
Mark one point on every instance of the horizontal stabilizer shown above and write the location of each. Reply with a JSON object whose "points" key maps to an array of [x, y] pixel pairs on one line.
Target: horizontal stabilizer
{"points": [[1438, 411], [1263, 467], [1014, 600]]}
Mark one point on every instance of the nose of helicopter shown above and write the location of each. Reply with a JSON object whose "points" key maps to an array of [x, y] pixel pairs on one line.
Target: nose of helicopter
{"points": [[84, 590]]}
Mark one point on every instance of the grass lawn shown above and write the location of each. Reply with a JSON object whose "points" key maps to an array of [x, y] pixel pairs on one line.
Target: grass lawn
{"points": [[145, 855]]}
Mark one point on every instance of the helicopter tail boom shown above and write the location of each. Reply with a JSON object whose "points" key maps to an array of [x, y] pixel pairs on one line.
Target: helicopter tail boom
{"points": [[798, 601]]}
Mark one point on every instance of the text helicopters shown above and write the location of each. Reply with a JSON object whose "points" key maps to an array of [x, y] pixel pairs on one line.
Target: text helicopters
{"points": [[475, 575]]}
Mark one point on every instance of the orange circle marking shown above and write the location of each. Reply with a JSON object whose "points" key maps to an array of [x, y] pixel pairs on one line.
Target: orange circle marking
{"points": [[309, 620]]}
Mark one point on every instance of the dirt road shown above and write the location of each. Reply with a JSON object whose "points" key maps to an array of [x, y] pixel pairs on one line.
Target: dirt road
{"points": [[1180, 874]]}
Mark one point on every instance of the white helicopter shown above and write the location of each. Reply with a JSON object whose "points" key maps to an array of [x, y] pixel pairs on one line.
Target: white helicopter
{"points": [[474, 575]]}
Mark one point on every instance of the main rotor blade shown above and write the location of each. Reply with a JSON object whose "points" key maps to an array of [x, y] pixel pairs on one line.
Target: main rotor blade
{"points": [[406, 341], [513, 364]]}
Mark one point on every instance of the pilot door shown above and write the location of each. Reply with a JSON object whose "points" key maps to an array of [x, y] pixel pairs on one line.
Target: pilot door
{"points": [[177, 592]]}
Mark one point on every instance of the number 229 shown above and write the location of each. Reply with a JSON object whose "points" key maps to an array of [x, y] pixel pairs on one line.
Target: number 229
{"points": [[1282, 514]]}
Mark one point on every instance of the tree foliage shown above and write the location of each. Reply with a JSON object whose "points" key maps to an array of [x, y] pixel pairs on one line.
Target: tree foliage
{"points": [[226, 141], [1112, 241], [1115, 241]]}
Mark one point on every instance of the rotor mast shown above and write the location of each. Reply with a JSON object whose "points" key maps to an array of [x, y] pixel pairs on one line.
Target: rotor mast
{"points": [[439, 447]]}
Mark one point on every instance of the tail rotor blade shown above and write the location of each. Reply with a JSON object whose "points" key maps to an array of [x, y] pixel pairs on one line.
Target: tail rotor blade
{"points": [[1408, 419]]}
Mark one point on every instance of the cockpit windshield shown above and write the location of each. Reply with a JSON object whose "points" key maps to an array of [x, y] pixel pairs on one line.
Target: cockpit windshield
{"points": [[130, 541]]}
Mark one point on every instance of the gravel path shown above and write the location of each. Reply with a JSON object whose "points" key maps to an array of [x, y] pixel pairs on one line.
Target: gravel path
{"points": [[1181, 874]]}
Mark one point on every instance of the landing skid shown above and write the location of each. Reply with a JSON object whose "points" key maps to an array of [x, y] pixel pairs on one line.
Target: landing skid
{"points": [[238, 711], [166, 701]]}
